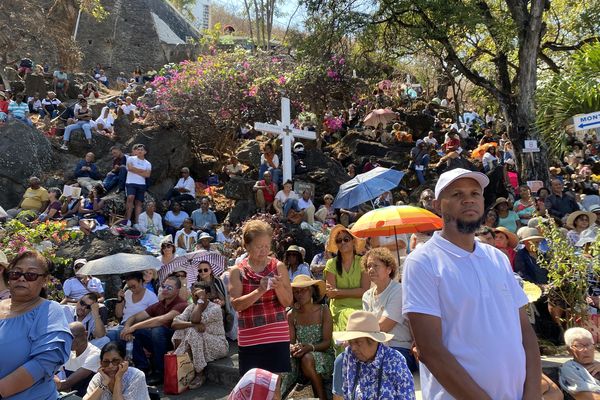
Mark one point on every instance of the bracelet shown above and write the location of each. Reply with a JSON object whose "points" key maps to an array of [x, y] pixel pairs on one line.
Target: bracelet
{"points": [[103, 387], [313, 347]]}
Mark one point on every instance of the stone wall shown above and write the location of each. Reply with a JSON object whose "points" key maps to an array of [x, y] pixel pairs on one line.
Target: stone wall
{"points": [[127, 38]]}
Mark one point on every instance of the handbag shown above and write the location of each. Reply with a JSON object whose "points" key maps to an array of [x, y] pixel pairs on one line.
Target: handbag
{"points": [[179, 372]]}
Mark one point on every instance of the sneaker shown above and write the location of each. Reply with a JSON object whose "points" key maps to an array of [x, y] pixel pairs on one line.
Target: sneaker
{"points": [[64, 147]]}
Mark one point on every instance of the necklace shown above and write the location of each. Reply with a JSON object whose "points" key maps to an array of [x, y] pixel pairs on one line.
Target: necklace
{"points": [[8, 309]]}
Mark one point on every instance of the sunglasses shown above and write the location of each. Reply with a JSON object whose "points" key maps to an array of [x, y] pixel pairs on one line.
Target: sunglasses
{"points": [[167, 287], [345, 240], [115, 362], [203, 269], [29, 276], [84, 304], [181, 275]]}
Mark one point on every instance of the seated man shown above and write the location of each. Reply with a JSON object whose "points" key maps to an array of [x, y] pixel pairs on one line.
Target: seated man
{"points": [[135, 299], [118, 174], [19, 109], [203, 243], [186, 238], [305, 204], [79, 285], [233, 168], [580, 377], [102, 78], [174, 219], [35, 199], [83, 116], [151, 329], [184, 189], [150, 222], [61, 81], [87, 173], [50, 106], [87, 311], [82, 365], [204, 218], [127, 109], [265, 193]]}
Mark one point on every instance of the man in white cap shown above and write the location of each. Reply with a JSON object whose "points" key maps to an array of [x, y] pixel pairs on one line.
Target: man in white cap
{"points": [[465, 307]]}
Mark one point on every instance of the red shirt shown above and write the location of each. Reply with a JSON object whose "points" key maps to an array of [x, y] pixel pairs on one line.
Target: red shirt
{"points": [[4, 106], [269, 192], [162, 308]]}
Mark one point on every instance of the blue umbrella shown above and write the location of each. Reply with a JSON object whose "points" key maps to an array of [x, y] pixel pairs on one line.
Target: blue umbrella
{"points": [[366, 187]]}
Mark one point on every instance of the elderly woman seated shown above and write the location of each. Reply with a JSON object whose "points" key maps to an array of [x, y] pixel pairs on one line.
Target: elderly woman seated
{"points": [[199, 331], [372, 370], [580, 376]]}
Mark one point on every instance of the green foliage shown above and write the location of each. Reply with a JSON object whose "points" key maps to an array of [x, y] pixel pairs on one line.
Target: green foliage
{"points": [[569, 271], [94, 8], [185, 7], [574, 91]]}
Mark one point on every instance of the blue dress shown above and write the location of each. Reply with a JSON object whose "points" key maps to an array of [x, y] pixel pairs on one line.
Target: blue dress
{"points": [[40, 341]]}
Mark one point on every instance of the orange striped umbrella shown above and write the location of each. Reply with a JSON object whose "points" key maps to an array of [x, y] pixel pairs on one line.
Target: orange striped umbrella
{"points": [[480, 151], [395, 220]]}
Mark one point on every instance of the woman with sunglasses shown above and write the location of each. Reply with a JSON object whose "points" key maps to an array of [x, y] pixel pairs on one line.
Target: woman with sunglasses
{"points": [[34, 334], [216, 292], [346, 281], [167, 250], [115, 379]]}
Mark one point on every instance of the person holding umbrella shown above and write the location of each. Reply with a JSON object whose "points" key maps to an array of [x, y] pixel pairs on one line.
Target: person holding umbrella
{"points": [[346, 281]]}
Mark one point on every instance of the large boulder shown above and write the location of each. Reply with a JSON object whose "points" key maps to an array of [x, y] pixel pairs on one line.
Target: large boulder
{"points": [[238, 188], [249, 153], [326, 173], [242, 210], [24, 152], [35, 84]]}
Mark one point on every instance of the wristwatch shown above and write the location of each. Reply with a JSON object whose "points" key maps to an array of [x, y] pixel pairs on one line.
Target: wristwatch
{"points": [[103, 387]]}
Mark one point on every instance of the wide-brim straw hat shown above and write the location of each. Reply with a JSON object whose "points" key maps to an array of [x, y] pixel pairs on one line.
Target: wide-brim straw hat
{"points": [[532, 291], [500, 200], [513, 240], [302, 281], [331, 246], [362, 324], [526, 233], [573, 216]]}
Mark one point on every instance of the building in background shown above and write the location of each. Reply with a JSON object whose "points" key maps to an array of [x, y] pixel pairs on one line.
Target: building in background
{"points": [[201, 12]]}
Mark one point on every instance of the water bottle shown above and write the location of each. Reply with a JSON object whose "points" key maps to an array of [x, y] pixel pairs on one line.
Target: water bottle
{"points": [[129, 351]]}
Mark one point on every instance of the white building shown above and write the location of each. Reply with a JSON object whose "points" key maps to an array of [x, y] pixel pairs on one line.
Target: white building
{"points": [[201, 12]]}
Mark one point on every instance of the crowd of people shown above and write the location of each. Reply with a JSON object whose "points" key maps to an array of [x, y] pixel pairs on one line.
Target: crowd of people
{"points": [[358, 320]]}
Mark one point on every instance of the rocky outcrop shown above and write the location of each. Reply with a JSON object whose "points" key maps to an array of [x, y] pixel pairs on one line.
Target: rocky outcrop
{"points": [[24, 152], [249, 153]]}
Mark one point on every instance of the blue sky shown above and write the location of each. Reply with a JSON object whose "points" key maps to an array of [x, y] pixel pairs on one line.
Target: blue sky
{"points": [[287, 9]]}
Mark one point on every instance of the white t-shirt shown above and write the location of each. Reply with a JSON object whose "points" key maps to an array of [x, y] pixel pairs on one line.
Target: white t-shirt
{"points": [[275, 160], [132, 308], [89, 359], [388, 304], [221, 238], [433, 141], [283, 198], [478, 300], [128, 108], [134, 178], [189, 239], [188, 184]]}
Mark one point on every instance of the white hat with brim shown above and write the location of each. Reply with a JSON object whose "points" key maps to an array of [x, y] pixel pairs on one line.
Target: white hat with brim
{"points": [[362, 324], [448, 177], [574, 215], [205, 235], [3, 259], [526, 233]]}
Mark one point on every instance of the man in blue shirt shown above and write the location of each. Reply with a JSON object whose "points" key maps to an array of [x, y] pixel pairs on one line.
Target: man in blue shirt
{"points": [[87, 173], [19, 109], [205, 219]]}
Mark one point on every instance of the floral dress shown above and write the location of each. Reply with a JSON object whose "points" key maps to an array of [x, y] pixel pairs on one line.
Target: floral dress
{"points": [[310, 334]]}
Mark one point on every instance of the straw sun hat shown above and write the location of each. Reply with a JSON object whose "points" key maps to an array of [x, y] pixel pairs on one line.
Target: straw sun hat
{"points": [[331, 246], [513, 240], [303, 281], [362, 324], [573, 216]]}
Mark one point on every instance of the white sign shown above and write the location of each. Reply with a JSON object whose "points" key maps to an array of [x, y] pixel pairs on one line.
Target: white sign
{"points": [[531, 146], [587, 121], [287, 133]]}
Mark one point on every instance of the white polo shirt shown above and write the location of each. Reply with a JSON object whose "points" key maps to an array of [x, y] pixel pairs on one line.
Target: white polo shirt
{"points": [[478, 300]]}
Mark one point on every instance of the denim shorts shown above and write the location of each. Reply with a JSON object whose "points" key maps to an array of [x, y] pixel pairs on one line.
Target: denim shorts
{"points": [[135, 189]]}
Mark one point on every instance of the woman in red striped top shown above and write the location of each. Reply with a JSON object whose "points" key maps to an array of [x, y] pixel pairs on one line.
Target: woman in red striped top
{"points": [[260, 291]]}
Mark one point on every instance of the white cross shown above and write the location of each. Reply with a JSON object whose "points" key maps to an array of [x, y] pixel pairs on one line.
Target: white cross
{"points": [[287, 133]]}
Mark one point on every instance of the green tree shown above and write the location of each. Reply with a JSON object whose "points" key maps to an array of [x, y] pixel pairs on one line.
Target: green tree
{"points": [[574, 91], [185, 7]]}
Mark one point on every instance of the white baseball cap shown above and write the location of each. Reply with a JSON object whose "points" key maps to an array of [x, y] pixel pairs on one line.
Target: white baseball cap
{"points": [[458, 173]]}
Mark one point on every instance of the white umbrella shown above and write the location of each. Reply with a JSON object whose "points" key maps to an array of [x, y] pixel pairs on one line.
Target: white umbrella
{"points": [[190, 261], [120, 263]]}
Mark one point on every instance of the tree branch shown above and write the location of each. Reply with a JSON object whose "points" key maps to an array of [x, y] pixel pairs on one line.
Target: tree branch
{"points": [[554, 46]]}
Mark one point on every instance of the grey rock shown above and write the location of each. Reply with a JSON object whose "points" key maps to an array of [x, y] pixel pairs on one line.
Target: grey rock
{"points": [[239, 188], [249, 153], [35, 84]]}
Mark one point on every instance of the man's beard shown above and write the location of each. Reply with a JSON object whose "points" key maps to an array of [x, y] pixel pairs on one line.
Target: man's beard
{"points": [[465, 226]]}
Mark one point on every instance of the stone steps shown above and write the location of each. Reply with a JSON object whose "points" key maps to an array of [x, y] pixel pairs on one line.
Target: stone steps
{"points": [[224, 371]]}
